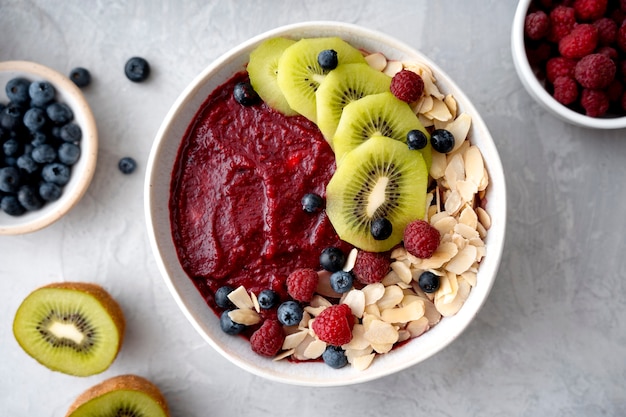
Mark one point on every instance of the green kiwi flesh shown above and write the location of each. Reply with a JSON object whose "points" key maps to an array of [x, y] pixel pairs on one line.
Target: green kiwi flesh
{"points": [[343, 85], [74, 328], [382, 178], [376, 115], [124, 395], [263, 70], [299, 73]]}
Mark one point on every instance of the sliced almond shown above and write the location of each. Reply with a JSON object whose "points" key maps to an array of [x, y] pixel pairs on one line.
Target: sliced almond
{"points": [[418, 327], [240, 298], [358, 341], [294, 339], [382, 348], [445, 224], [350, 260], [444, 252], [255, 302], [474, 166], [483, 217], [468, 217], [381, 333], [376, 61], [402, 270], [451, 104], [467, 190], [439, 111], [373, 292], [463, 260], [452, 307], [355, 299], [453, 202], [314, 349], [466, 231], [393, 67], [247, 317], [460, 128], [363, 362], [392, 297], [284, 354], [405, 314]]}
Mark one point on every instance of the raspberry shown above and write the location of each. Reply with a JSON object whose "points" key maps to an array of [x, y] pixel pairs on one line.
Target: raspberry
{"points": [[334, 325], [421, 239], [621, 38], [407, 86], [581, 41], [537, 25], [301, 284], [614, 91], [608, 51], [562, 21], [268, 339], [589, 10], [607, 31], [371, 267], [595, 71], [595, 102], [565, 90], [560, 67]]}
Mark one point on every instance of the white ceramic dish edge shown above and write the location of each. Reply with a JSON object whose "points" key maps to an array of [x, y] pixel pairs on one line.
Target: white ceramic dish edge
{"points": [[189, 299]]}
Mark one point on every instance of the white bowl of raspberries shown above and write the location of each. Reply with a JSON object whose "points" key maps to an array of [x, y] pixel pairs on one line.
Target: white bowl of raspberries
{"points": [[49, 145], [569, 56], [264, 259]]}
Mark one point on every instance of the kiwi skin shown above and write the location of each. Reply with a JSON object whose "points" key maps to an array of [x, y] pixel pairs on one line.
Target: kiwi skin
{"points": [[104, 298], [127, 382]]}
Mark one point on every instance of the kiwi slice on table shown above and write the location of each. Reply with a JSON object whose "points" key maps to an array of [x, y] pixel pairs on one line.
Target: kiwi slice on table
{"points": [[71, 327], [263, 70], [299, 73], [376, 115], [343, 85], [381, 179], [124, 395]]}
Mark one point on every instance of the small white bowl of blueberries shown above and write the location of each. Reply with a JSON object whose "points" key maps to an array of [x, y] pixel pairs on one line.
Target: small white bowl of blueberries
{"points": [[49, 145]]}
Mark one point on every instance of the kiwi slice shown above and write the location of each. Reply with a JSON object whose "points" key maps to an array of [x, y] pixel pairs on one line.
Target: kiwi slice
{"points": [[263, 70], [124, 395], [376, 114], [343, 85], [381, 179], [71, 327], [299, 73]]}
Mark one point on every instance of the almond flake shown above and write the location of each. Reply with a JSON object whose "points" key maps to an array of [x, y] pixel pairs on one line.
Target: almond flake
{"points": [[424, 105], [403, 335], [294, 339], [466, 231], [402, 270], [381, 333], [373, 292], [372, 310], [382, 348], [410, 312], [445, 224], [452, 307], [350, 260], [284, 354], [247, 317], [469, 277], [439, 111], [438, 166], [398, 253], [355, 299], [460, 128], [451, 104], [474, 166], [484, 182], [468, 217], [358, 341], [240, 298], [391, 279], [467, 190], [314, 311], [255, 302], [392, 297], [361, 363], [319, 301], [483, 217], [393, 67], [418, 327], [351, 354], [453, 202], [376, 61], [301, 348], [463, 260], [445, 251], [315, 349]]}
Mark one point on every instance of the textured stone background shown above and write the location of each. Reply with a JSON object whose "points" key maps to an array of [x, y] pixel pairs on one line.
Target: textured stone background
{"points": [[551, 339]]}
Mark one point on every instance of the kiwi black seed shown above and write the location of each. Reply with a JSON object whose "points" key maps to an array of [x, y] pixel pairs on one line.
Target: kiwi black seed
{"points": [[376, 115], [70, 327], [382, 178], [123, 395]]}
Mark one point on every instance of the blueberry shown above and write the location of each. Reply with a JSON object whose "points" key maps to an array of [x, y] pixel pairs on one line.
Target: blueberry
{"points": [[244, 94], [332, 259], [49, 191], [328, 59], [29, 198], [221, 297], [44, 153], [68, 153], [41, 93], [38, 138], [416, 139], [428, 282], [11, 147], [127, 165], [228, 326], [17, 90], [59, 113], [137, 69], [11, 117], [35, 119], [442, 140], [341, 281], [80, 76], [268, 299], [290, 313], [11, 206], [381, 228], [56, 173], [71, 132], [9, 179], [312, 203], [26, 163], [335, 357]]}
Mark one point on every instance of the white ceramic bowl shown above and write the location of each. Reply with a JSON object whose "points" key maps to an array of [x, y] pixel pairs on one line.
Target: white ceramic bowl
{"points": [[82, 171], [536, 88], [157, 189]]}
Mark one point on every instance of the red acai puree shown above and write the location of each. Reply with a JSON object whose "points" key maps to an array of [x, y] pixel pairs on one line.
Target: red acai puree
{"points": [[235, 203]]}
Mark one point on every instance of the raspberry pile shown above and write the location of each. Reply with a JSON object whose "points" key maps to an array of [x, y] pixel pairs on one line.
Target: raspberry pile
{"points": [[578, 48]]}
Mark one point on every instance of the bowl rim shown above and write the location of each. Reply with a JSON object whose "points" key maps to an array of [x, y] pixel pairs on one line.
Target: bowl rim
{"points": [[83, 115], [537, 91], [151, 212]]}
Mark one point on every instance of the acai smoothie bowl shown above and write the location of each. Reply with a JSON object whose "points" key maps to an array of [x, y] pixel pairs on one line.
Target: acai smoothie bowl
{"points": [[325, 205]]}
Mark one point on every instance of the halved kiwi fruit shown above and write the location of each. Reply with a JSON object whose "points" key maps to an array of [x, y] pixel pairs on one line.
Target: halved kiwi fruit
{"points": [[343, 85], [376, 115], [124, 395], [381, 179], [71, 327], [299, 73], [263, 70]]}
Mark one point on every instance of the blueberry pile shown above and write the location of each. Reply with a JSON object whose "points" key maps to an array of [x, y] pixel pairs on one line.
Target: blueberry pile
{"points": [[40, 144]]}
